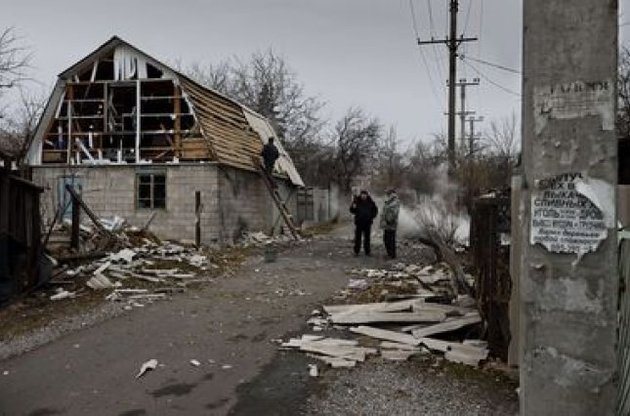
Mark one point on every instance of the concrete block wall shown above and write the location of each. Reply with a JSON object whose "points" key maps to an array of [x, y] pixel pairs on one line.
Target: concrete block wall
{"points": [[111, 190], [246, 204], [232, 200]]}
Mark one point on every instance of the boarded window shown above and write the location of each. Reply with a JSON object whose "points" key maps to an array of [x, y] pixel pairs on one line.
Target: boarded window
{"points": [[151, 190]]}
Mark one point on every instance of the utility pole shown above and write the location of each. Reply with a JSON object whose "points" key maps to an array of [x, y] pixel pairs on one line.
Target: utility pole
{"points": [[472, 137], [569, 273], [452, 42], [462, 84]]}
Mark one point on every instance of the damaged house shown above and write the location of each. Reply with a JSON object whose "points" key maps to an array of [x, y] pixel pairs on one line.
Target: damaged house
{"points": [[135, 137]]}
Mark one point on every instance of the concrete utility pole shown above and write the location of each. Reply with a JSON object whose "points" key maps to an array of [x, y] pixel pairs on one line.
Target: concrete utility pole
{"points": [[472, 138], [568, 287], [452, 42], [462, 84]]}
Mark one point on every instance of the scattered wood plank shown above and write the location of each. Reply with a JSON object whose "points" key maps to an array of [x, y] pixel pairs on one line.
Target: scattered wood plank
{"points": [[447, 326], [386, 335]]}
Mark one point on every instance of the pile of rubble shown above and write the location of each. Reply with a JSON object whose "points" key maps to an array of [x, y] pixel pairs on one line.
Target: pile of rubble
{"points": [[133, 265], [421, 320], [257, 239]]}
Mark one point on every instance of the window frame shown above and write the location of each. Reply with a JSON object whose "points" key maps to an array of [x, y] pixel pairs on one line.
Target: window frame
{"points": [[152, 184]]}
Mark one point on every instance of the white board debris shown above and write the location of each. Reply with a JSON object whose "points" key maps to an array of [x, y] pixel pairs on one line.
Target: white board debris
{"points": [[386, 335], [147, 366]]}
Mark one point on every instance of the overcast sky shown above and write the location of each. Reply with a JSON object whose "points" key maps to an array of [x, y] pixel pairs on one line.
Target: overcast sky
{"points": [[348, 52]]}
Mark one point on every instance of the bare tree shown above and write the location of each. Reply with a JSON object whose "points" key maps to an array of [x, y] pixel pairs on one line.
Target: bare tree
{"points": [[391, 166], [501, 140], [356, 141], [18, 126], [216, 77], [265, 83], [14, 59]]}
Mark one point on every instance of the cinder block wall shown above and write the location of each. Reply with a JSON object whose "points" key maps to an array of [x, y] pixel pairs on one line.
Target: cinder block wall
{"points": [[246, 204], [232, 200], [111, 190]]}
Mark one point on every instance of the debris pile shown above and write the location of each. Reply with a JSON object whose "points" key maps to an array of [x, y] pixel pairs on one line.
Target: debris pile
{"points": [[144, 270], [425, 317], [257, 239]]}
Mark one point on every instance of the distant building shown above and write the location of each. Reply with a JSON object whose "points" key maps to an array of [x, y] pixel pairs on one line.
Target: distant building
{"points": [[135, 136]]}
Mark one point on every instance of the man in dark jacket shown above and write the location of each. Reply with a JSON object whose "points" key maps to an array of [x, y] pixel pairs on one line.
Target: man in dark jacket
{"points": [[364, 210], [270, 154]]}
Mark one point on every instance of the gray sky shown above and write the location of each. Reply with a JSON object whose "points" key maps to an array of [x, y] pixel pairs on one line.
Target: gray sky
{"points": [[349, 52]]}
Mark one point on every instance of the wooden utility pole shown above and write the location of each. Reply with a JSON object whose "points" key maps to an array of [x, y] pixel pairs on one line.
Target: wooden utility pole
{"points": [[452, 42], [568, 266]]}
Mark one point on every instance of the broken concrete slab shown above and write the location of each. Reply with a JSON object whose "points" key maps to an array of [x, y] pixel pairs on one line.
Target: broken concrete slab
{"points": [[466, 354], [449, 325], [398, 346], [334, 362], [99, 282], [398, 306], [386, 335], [125, 255], [456, 352], [370, 317]]}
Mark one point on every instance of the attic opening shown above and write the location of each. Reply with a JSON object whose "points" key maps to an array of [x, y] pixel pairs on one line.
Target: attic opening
{"points": [[122, 108]]}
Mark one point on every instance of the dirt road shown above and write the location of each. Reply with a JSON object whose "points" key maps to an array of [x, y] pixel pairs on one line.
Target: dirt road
{"points": [[228, 327]]}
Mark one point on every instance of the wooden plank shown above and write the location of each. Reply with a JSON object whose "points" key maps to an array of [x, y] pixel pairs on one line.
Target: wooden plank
{"points": [[386, 335], [178, 121], [447, 326]]}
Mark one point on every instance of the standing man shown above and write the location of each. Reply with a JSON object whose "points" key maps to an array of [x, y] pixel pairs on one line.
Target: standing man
{"points": [[389, 222], [270, 155], [364, 210]]}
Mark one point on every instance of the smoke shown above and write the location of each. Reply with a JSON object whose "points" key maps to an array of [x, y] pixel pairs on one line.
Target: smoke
{"points": [[437, 213]]}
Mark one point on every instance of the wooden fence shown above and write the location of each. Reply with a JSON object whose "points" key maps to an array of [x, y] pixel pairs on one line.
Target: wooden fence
{"points": [[20, 234]]}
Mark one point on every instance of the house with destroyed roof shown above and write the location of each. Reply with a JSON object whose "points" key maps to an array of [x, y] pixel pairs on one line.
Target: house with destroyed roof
{"points": [[138, 139]]}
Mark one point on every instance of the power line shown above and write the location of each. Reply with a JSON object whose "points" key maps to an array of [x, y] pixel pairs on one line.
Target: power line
{"points": [[467, 16], [484, 62], [485, 77], [438, 62], [424, 60]]}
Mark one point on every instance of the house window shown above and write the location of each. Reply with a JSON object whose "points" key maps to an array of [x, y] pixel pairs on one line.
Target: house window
{"points": [[151, 190]]}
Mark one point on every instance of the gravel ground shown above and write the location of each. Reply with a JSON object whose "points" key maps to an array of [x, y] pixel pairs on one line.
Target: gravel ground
{"points": [[57, 328], [422, 387]]}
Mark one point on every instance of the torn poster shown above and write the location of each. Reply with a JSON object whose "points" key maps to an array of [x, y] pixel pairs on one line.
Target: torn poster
{"points": [[571, 213], [575, 100]]}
